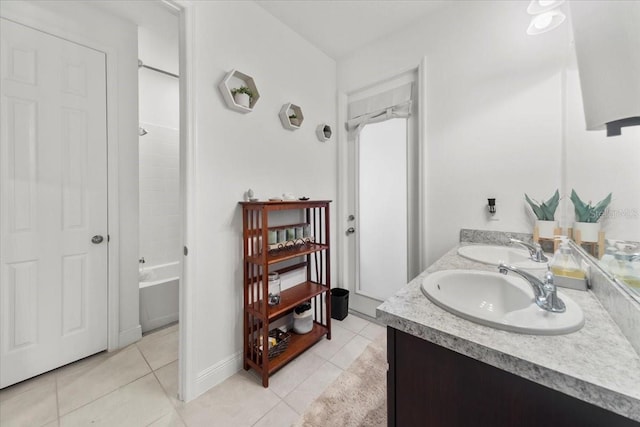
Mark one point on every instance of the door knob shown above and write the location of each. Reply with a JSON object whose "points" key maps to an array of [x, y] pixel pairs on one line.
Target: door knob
{"points": [[97, 239], [351, 230]]}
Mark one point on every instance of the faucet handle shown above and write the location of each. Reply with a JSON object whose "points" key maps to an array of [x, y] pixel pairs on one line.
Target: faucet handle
{"points": [[554, 303], [548, 277]]}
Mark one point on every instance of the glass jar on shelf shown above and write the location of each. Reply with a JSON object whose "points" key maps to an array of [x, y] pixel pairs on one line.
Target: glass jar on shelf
{"points": [[274, 289]]}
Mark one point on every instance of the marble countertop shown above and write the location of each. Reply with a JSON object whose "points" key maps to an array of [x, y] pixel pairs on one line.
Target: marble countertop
{"points": [[596, 364]]}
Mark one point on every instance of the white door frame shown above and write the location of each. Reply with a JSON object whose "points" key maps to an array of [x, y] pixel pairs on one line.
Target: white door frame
{"points": [[346, 265], [187, 374]]}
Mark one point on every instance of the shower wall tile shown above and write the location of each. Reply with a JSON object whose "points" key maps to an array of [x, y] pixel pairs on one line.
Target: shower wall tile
{"points": [[159, 195]]}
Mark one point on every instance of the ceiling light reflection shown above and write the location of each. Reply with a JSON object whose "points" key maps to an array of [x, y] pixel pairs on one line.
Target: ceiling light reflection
{"points": [[540, 6], [545, 22]]}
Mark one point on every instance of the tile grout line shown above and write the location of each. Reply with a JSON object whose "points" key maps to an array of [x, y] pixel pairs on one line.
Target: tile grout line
{"points": [[143, 356], [342, 370], [107, 394], [166, 392], [155, 375], [270, 409], [291, 407], [55, 377], [151, 371]]}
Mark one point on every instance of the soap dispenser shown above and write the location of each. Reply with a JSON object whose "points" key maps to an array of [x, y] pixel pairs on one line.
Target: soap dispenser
{"points": [[563, 263]]}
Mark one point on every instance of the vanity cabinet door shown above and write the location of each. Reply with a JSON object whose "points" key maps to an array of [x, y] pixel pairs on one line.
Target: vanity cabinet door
{"points": [[429, 385]]}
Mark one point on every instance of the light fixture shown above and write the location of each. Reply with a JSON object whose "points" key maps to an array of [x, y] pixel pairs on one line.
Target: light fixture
{"points": [[546, 21], [541, 6]]}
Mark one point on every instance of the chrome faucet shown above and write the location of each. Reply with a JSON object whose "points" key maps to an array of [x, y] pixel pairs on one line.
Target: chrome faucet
{"points": [[545, 293], [535, 250]]}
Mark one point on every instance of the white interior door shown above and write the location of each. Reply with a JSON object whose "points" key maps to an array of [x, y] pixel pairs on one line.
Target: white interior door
{"points": [[382, 204], [53, 172], [382, 209], [379, 244]]}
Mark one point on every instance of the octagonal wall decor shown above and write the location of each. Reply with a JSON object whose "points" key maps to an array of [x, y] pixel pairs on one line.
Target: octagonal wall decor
{"points": [[235, 81], [324, 132], [291, 116]]}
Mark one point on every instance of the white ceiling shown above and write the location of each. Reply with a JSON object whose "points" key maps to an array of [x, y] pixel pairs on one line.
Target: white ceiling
{"points": [[339, 27], [144, 13]]}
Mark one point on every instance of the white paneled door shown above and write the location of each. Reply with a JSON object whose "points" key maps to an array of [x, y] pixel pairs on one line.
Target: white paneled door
{"points": [[53, 172]]}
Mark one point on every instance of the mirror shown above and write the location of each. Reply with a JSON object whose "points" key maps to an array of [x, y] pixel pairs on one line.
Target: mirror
{"points": [[596, 165]]}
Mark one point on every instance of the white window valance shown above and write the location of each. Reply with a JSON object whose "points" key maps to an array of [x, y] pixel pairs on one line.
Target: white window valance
{"points": [[393, 103]]}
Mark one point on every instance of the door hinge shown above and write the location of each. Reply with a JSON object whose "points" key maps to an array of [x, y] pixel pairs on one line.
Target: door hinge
{"points": [[186, 251], [108, 238]]}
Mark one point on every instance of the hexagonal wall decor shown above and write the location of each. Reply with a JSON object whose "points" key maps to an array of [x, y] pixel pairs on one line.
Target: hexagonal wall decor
{"points": [[291, 116], [324, 132], [235, 80]]}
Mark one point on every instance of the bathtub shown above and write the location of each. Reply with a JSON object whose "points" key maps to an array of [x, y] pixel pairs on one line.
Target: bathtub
{"points": [[159, 295]]}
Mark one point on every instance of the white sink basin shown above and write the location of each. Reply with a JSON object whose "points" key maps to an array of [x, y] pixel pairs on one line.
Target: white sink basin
{"points": [[499, 301], [494, 255]]}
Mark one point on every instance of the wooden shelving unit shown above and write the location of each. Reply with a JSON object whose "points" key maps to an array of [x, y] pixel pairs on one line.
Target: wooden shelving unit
{"points": [[310, 258]]}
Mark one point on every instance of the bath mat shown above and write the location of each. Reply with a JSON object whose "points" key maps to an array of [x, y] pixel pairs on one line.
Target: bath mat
{"points": [[358, 397]]}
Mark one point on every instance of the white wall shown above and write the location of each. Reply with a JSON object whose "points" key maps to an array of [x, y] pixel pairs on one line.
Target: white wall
{"points": [[160, 219], [237, 151], [493, 112], [159, 93], [118, 38]]}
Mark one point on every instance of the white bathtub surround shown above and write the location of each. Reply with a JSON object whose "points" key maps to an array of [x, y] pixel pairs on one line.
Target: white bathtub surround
{"points": [[159, 295], [159, 195]]}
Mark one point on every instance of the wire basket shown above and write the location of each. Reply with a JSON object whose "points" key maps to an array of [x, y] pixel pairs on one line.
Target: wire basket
{"points": [[282, 342]]}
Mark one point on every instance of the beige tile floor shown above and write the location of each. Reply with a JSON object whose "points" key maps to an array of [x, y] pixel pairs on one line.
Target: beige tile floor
{"points": [[137, 386]]}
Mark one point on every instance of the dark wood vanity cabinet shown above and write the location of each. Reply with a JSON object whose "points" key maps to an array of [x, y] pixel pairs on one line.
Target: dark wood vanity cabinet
{"points": [[429, 385]]}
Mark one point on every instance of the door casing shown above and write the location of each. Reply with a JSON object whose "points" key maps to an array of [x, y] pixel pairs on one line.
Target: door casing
{"points": [[346, 262]]}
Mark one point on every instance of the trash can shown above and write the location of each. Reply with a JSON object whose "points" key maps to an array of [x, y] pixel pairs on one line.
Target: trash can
{"points": [[339, 303]]}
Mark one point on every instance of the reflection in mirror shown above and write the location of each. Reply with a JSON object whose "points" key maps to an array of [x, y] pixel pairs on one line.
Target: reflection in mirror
{"points": [[621, 261], [596, 165]]}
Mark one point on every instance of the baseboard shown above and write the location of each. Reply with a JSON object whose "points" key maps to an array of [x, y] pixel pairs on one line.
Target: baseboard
{"points": [[129, 336], [217, 373], [158, 322]]}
